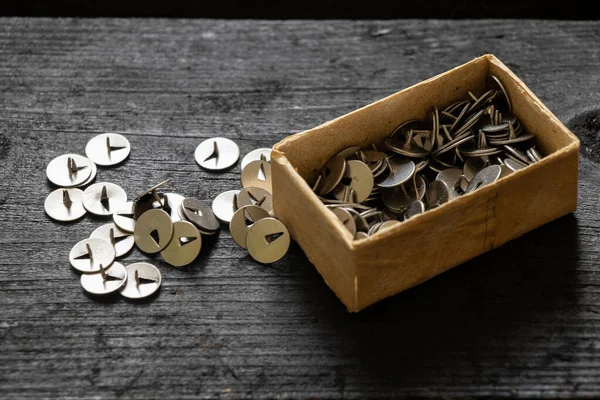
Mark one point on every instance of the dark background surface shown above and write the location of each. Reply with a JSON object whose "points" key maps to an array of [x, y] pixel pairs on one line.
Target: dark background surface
{"points": [[520, 321], [308, 9]]}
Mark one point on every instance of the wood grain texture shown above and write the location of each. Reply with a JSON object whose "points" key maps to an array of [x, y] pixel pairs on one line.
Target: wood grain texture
{"points": [[522, 320]]}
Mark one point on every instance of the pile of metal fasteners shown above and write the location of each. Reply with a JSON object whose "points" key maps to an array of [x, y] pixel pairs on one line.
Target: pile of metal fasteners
{"points": [[166, 223], [95, 256], [426, 163], [249, 211]]}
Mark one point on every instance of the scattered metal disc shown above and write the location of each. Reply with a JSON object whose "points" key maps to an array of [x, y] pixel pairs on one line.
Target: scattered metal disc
{"points": [[255, 155], [153, 231], [122, 241], [254, 196], [103, 198], [257, 174], [224, 205], [123, 217], [331, 175], [346, 218], [69, 170], [65, 205], [242, 220], [358, 179], [268, 240], [152, 190], [401, 170], [87, 255], [106, 281], [143, 280], [108, 149], [484, 177], [92, 176], [170, 203], [200, 215], [217, 153], [185, 245]]}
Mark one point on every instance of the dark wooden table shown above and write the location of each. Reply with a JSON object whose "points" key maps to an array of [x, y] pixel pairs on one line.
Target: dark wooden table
{"points": [[522, 320]]}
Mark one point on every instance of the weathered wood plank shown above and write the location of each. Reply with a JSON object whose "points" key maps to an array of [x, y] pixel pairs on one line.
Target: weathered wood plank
{"points": [[520, 320]]}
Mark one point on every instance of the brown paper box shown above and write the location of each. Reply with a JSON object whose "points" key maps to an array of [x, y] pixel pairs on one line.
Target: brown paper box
{"points": [[365, 271]]}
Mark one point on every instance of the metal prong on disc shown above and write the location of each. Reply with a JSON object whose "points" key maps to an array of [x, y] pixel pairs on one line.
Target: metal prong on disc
{"points": [[67, 199], [235, 202], [137, 279], [102, 273], [89, 250], [214, 154]]}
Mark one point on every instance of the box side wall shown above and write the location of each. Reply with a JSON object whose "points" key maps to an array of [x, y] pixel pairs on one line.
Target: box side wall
{"points": [[432, 243], [319, 233], [309, 151]]}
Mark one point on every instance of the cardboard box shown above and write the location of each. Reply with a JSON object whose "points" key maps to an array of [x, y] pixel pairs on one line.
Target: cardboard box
{"points": [[362, 272]]}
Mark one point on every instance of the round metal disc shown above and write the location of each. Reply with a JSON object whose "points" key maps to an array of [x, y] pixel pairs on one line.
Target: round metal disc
{"points": [[361, 235], [518, 139], [346, 218], [484, 177], [143, 280], [253, 196], [331, 175], [65, 207], [151, 190], [402, 170], [59, 173], [437, 194], [217, 153], [360, 180], [505, 171], [123, 217], [518, 154], [170, 204], [153, 231], [497, 81], [224, 205], [242, 220], [349, 152], [472, 166], [408, 149], [92, 176], [108, 149], [113, 279], [255, 155], [450, 175], [257, 174], [398, 198], [102, 253], [95, 202], [185, 245], [415, 208], [513, 165], [268, 240], [123, 241], [200, 215]]}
